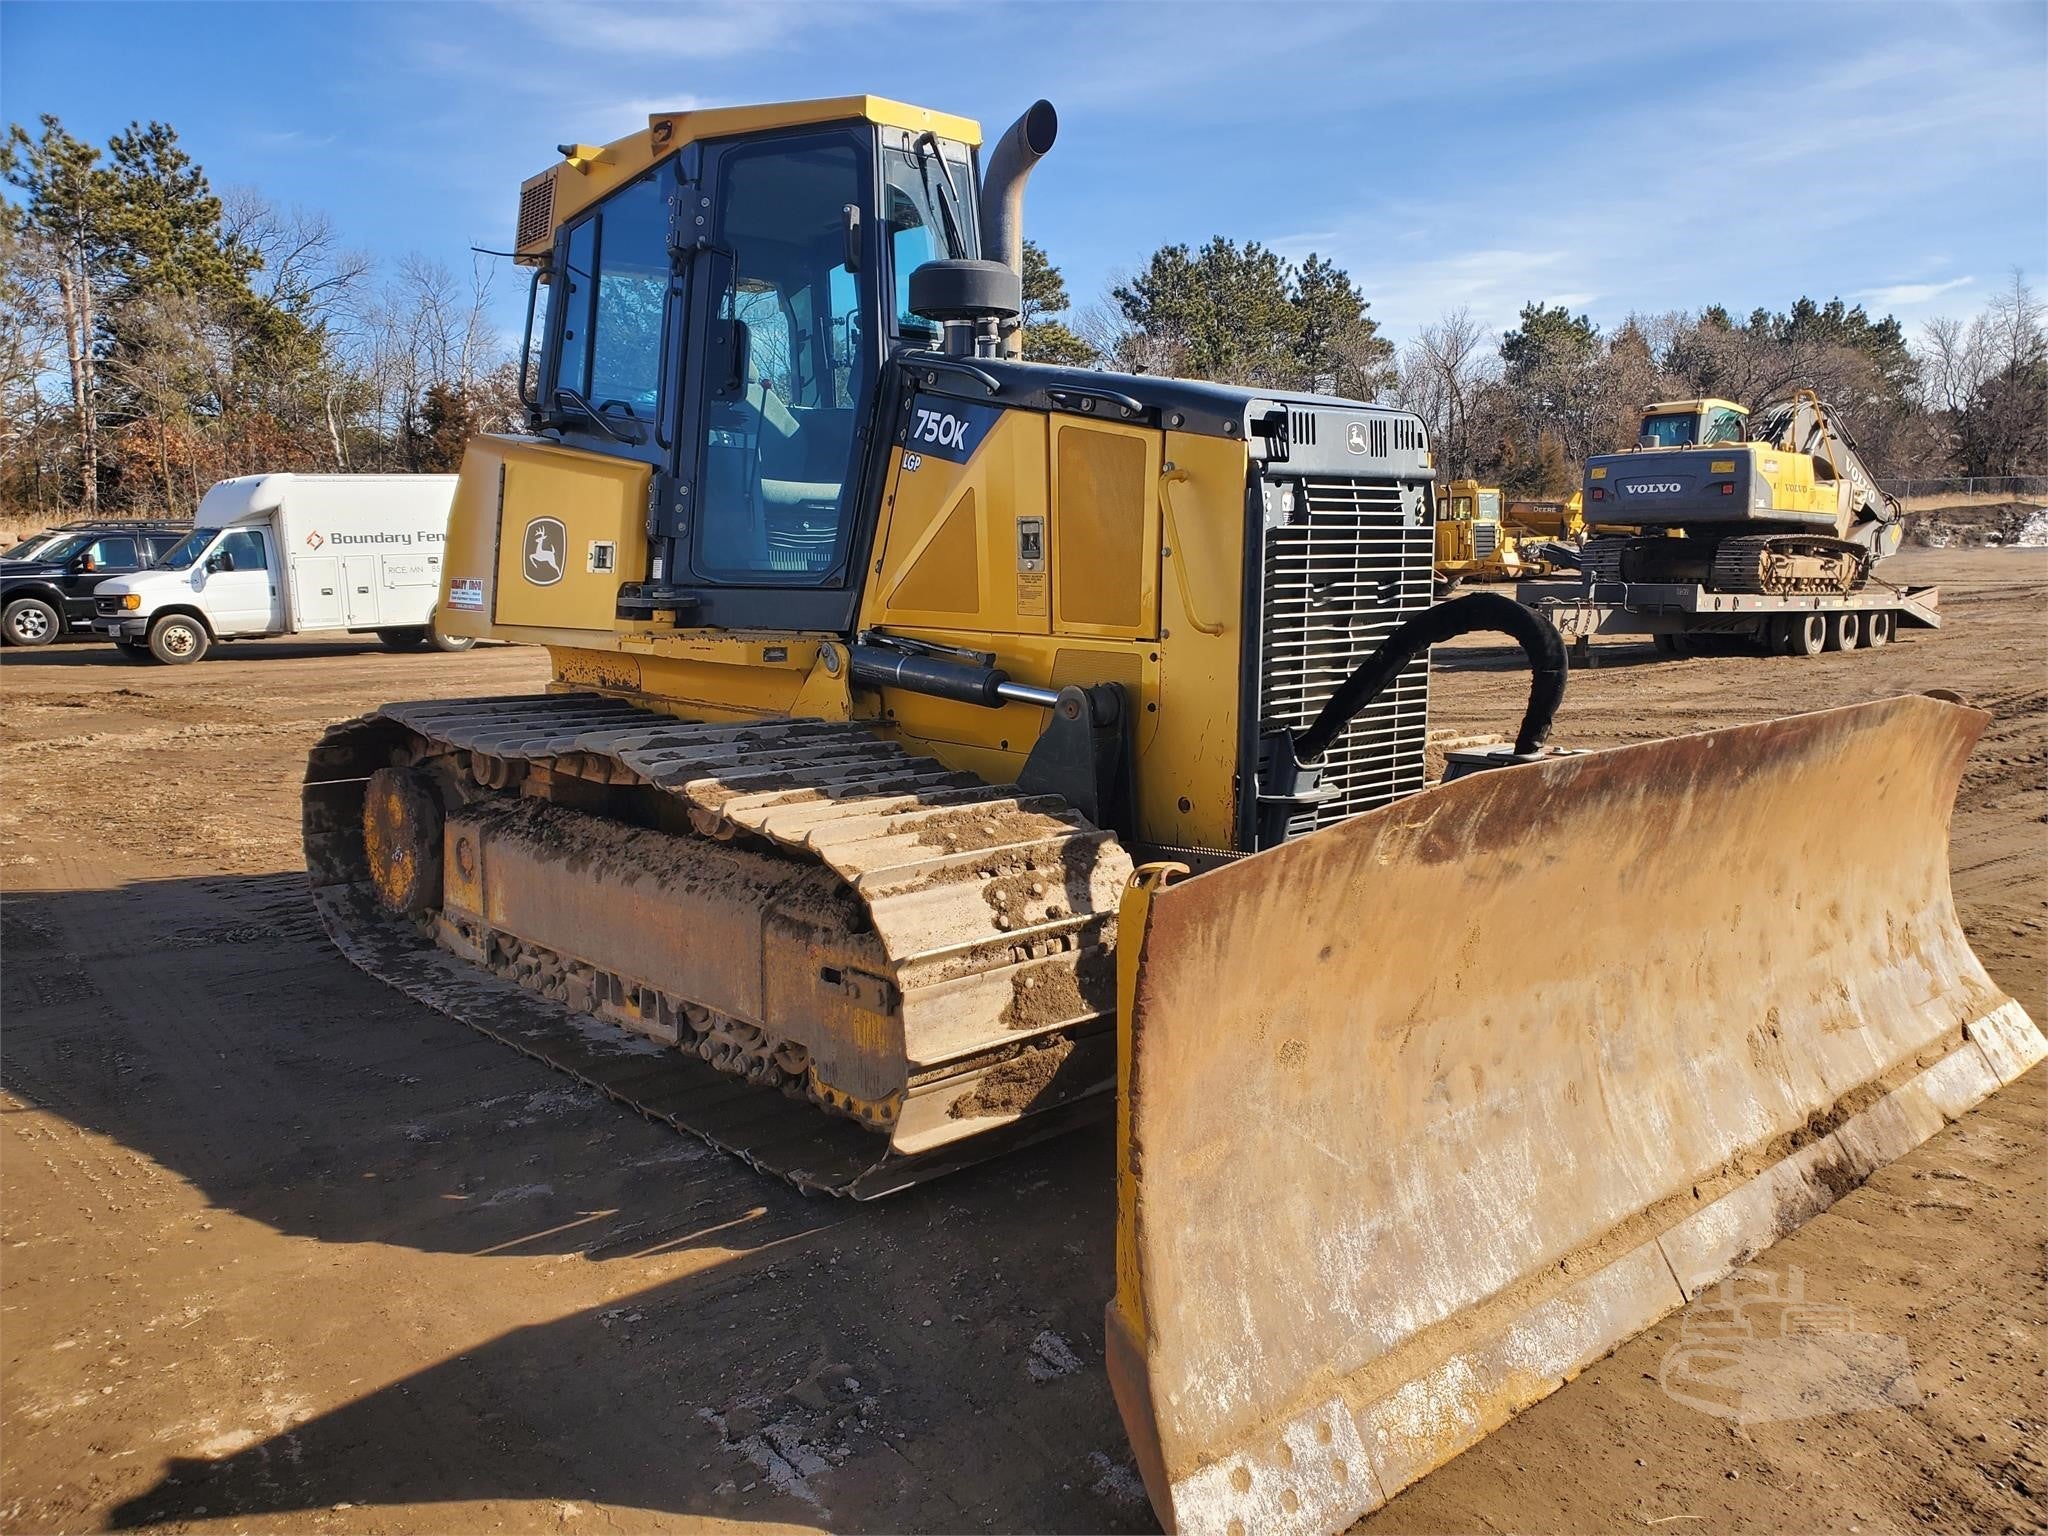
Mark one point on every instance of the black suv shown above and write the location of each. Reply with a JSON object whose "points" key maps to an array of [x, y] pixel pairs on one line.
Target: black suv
{"points": [[46, 589]]}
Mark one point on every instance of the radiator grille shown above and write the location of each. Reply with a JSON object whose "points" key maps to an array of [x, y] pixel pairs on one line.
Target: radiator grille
{"points": [[1347, 567], [1485, 537]]}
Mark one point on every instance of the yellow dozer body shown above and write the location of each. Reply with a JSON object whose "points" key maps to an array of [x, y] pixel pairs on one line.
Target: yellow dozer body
{"points": [[1473, 541], [892, 677]]}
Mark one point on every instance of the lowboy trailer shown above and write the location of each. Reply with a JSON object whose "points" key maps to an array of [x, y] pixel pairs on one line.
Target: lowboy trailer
{"points": [[1675, 613]]}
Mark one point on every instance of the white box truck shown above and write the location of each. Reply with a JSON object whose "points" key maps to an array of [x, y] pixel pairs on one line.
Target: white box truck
{"points": [[291, 555]]}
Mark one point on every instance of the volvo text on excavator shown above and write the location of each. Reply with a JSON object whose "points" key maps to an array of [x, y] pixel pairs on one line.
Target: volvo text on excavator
{"points": [[895, 678]]}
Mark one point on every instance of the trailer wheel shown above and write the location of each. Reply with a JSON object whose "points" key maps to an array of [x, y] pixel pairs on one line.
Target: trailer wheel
{"points": [[177, 639], [133, 650], [1672, 645], [1877, 628], [1845, 631], [443, 642], [29, 621], [410, 639], [1809, 634]]}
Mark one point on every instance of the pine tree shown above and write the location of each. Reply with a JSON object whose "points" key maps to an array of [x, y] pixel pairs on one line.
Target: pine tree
{"points": [[1046, 338]]}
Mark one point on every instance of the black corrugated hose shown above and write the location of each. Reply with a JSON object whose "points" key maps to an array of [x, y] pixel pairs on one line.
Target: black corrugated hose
{"points": [[1480, 612]]}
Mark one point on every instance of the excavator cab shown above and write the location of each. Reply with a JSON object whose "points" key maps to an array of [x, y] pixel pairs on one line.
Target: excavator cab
{"points": [[896, 679], [1692, 424]]}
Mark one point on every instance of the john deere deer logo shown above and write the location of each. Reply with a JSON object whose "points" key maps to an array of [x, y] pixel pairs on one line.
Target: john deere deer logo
{"points": [[546, 538]]}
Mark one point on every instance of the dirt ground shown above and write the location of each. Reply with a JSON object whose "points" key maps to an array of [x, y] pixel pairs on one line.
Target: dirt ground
{"points": [[281, 1251]]}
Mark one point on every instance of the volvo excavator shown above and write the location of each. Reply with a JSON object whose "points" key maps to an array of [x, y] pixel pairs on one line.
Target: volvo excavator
{"points": [[944, 749], [1779, 504]]}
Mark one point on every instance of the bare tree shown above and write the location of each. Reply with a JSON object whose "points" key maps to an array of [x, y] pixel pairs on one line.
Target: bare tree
{"points": [[31, 339], [1442, 371], [306, 270]]}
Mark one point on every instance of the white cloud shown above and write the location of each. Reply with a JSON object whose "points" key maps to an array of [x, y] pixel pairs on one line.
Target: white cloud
{"points": [[1905, 294]]}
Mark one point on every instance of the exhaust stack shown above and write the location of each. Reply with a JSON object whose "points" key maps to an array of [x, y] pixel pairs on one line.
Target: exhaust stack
{"points": [[1020, 148]]}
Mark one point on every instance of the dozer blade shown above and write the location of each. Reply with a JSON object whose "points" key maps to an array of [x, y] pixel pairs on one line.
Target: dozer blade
{"points": [[1423, 1113]]}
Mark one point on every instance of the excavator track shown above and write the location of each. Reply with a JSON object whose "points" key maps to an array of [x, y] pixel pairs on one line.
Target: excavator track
{"points": [[1766, 565], [850, 966], [1789, 564]]}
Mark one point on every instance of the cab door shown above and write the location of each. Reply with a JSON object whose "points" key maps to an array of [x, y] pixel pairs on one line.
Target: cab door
{"points": [[240, 590], [786, 325]]}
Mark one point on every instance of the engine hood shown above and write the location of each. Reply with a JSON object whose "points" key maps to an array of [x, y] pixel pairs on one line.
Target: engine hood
{"points": [[145, 583], [33, 568]]}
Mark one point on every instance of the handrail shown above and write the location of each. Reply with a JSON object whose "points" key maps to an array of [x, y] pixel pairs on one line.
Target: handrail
{"points": [[1171, 474]]}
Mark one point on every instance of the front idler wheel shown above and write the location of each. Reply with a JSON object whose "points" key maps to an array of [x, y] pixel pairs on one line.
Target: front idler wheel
{"points": [[402, 826]]}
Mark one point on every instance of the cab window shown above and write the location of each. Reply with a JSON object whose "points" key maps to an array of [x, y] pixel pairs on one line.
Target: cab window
{"points": [[915, 220], [631, 299], [1723, 426], [1670, 431], [239, 550], [578, 283], [111, 555], [609, 297]]}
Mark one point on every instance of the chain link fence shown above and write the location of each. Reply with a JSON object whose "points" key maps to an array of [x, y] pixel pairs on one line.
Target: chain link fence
{"points": [[2013, 487]]}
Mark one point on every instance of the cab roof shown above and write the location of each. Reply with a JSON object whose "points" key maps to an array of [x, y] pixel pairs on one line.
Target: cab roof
{"points": [[1695, 406], [586, 172]]}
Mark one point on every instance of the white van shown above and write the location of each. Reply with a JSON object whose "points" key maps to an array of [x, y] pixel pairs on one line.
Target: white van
{"points": [[292, 555]]}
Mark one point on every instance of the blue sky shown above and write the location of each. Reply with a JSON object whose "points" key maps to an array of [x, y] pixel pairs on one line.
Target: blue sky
{"points": [[1612, 157]]}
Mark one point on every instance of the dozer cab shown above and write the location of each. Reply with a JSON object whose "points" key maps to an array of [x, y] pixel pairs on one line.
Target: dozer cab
{"points": [[894, 678]]}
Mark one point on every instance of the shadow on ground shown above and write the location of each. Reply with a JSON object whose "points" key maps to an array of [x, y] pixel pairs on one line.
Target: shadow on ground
{"points": [[932, 1360]]}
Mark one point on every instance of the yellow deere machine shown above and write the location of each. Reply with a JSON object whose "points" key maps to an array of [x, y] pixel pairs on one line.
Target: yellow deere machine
{"points": [[1776, 506], [1472, 542], [894, 679], [1547, 518]]}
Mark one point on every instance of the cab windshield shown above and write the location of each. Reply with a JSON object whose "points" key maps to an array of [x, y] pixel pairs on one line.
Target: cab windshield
{"points": [[1672, 431], [186, 552]]}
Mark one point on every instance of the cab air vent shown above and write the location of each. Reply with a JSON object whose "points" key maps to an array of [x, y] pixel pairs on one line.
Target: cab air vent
{"points": [[536, 212]]}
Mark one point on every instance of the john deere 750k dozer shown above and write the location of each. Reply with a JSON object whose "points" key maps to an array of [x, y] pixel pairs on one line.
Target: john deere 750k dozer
{"points": [[883, 658]]}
